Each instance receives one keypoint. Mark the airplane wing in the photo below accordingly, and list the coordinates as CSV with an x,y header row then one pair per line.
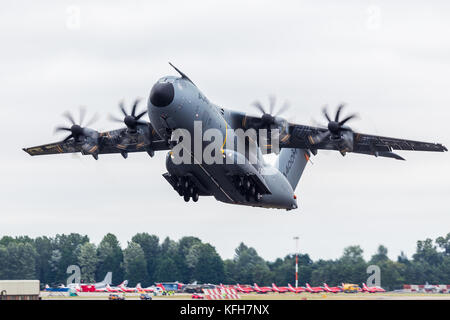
x,y
315,138
300,136
91,142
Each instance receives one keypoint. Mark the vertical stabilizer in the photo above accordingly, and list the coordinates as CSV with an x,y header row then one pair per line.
x,y
108,278
291,163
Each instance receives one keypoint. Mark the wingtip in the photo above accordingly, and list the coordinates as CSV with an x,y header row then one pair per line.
x,y
26,150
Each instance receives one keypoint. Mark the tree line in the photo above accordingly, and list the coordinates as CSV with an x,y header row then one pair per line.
x,y
147,260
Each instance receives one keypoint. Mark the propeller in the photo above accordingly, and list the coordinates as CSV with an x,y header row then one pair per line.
x,y
268,119
334,128
77,131
131,120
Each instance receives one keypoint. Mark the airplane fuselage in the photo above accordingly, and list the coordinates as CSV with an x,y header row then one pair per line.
x,y
176,103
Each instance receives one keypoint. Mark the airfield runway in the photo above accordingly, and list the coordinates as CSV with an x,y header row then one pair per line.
x,y
269,296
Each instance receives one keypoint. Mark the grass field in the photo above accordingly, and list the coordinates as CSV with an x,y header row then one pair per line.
x,y
270,296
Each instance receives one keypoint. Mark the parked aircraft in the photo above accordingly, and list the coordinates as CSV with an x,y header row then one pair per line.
x,y
297,289
246,289
148,289
124,288
313,289
331,289
60,288
259,289
279,289
98,285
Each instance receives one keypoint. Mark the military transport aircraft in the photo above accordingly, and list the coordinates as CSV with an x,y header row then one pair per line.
x,y
175,105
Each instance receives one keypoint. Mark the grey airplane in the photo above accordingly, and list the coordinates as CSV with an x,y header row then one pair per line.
x,y
243,177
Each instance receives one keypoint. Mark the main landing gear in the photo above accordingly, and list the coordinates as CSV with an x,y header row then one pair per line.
x,y
186,189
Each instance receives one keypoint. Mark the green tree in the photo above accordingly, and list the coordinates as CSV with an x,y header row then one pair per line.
x,y
351,266
44,248
68,247
380,256
4,263
250,267
444,244
150,245
166,270
87,260
185,268
134,263
206,264
426,252
110,259
22,261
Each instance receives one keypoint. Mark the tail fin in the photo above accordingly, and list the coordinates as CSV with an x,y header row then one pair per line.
x,y
291,163
161,286
108,278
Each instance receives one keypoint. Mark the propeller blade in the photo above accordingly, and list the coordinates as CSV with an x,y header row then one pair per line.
x,y
348,118
82,115
68,137
112,118
69,116
62,129
140,115
259,106
283,109
338,112
122,108
133,111
93,120
325,113
272,101
141,122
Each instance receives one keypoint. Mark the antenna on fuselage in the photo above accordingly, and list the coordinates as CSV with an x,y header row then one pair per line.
x,y
181,73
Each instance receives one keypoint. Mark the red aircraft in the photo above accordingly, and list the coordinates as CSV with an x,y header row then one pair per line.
x,y
124,288
242,289
279,289
140,289
313,289
109,289
296,290
331,289
259,289
365,288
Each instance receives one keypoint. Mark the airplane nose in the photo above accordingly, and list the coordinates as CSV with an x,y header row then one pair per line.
x,y
162,94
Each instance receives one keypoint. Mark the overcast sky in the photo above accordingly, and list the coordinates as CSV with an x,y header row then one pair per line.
x,y
390,62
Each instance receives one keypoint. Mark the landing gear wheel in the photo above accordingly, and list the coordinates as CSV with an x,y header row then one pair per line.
x,y
186,198
247,197
195,196
247,184
240,182
252,190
